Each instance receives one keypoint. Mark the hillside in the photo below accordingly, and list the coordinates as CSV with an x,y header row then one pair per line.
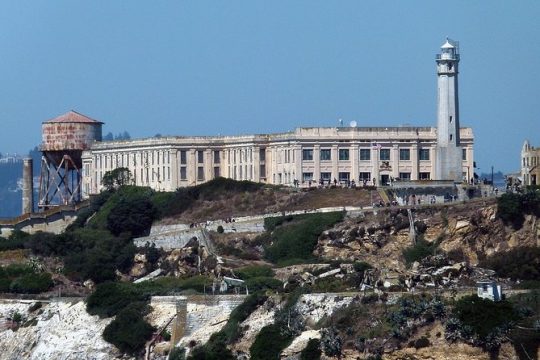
x,y
357,281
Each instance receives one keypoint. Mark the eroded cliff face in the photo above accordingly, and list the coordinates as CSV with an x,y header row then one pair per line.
x,y
469,230
56,330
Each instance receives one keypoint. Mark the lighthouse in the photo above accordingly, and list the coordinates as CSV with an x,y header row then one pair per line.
x,y
449,154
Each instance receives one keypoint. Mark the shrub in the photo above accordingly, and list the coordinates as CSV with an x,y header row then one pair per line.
x,y
32,283
133,214
231,330
298,239
253,271
263,283
109,298
5,284
312,351
484,316
177,354
269,343
419,251
331,342
129,331
518,263
14,270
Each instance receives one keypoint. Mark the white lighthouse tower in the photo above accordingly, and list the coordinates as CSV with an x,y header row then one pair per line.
x,y
448,162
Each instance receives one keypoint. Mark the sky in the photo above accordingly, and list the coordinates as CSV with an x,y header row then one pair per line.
x,y
241,67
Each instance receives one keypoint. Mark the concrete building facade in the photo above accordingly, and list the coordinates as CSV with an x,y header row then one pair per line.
x,y
530,164
375,156
365,155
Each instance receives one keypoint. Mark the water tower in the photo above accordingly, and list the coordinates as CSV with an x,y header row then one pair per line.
x,y
63,140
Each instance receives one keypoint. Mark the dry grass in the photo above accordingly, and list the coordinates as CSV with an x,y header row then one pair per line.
x,y
270,200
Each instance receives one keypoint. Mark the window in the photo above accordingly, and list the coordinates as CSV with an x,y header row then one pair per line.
x,y
262,171
423,154
365,154
463,154
200,156
326,154
217,159
424,176
404,154
343,154
326,176
307,154
384,154
183,157
262,154
344,177
365,176
450,119
200,173
405,176
307,176
216,172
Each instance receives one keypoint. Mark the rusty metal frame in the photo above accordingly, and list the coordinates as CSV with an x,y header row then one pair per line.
x,y
59,185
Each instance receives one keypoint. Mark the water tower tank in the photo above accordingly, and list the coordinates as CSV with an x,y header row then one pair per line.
x,y
64,138
71,134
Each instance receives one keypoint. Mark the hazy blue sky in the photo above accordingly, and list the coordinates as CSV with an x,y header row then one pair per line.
x,y
230,67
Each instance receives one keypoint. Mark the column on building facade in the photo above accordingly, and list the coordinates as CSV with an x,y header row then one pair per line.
x,y
175,170
433,157
375,166
297,163
191,166
414,161
355,160
335,160
208,162
394,157
316,162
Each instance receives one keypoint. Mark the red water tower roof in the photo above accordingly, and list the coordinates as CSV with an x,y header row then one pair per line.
x,y
73,117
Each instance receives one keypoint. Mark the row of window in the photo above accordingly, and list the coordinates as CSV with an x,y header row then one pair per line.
x,y
326,177
125,160
365,154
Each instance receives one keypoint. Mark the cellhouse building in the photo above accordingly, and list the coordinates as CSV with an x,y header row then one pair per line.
x,y
366,155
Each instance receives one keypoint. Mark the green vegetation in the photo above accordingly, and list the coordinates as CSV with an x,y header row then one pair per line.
x,y
116,178
481,321
420,250
511,207
177,354
294,238
129,331
23,279
216,347
312,351
111,297
521,263
253,271
269,343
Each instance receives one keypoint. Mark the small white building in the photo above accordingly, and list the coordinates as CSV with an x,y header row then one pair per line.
x,y
489,290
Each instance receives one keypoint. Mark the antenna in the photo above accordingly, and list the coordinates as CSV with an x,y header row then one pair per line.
x,y
353,123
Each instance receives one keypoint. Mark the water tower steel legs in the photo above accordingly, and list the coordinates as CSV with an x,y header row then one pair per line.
x,y
59,185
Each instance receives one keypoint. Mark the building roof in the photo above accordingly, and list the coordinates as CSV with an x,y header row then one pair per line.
x,y
73,117
447,45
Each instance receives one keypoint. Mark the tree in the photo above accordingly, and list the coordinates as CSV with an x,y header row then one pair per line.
x,y
117,177
134,214
108,137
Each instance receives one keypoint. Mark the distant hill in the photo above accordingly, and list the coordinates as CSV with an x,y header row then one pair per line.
x,y
10,176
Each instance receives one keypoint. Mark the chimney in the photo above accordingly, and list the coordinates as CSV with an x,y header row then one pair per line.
x,y
28,187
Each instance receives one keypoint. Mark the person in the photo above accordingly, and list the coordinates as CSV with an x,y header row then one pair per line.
x,y
335,182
